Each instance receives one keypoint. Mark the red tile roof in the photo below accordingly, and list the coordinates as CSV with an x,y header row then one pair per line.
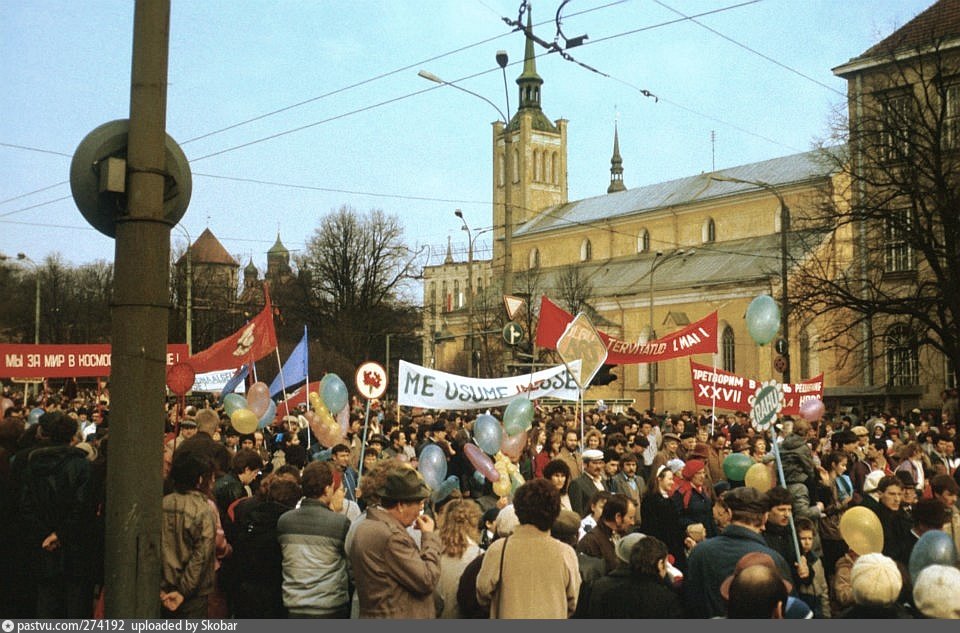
x,y
208,250
938,21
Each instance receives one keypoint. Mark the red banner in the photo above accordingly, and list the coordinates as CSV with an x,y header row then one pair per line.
x,y
66,361
717,388
696,338
250,343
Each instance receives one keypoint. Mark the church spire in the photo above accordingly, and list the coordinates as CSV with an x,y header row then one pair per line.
x,y
529,81
449,258
616,165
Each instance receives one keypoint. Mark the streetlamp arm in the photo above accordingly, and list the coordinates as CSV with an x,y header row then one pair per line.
x,y
431,77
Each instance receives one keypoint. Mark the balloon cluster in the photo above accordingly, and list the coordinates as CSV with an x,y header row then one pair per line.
x,y
327,406
496,445
251,412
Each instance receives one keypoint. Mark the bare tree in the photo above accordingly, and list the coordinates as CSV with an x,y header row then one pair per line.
x,y
884,280
354,270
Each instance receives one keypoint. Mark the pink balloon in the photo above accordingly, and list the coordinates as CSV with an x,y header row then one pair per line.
x,y
512,446
258,398
329,435
481,461
812,409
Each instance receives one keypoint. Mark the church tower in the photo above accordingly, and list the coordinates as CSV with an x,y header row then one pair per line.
x,y
539,162
616,166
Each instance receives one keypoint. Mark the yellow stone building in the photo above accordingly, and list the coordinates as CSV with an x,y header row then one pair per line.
x,y
644,262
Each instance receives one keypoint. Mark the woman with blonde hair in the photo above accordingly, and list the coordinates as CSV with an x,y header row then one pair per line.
x,y
460,535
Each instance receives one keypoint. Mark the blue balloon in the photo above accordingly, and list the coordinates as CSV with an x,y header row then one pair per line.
x,y
432,464
34,416
445,489
334,393
487,433
934,547
763,319
268,415
232,402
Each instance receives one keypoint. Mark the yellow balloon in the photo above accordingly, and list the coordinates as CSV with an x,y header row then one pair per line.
x,y
861,529
326,418
759,477
502,487
244,421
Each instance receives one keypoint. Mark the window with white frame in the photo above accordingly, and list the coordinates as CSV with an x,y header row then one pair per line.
x,y
586,250
898,253
951,117
533,260
902,357
709,231
643,241
897,119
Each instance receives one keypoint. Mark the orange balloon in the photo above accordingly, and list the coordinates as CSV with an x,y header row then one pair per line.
x,y
861,529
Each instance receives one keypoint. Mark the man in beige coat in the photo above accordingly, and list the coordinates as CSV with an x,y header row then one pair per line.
x,y
529,574
394,578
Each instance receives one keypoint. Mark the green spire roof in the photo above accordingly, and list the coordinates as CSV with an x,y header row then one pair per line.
x,y
278,248
529,83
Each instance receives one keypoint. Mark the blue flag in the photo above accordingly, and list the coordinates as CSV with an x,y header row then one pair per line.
x,y
294,371
231,385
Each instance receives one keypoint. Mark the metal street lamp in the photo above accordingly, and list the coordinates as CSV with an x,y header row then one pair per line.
x,y
36,310
784,295
471,240
502,60
659,259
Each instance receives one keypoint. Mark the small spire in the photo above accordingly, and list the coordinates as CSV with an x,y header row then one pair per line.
x,y
449,258
529,81
616,165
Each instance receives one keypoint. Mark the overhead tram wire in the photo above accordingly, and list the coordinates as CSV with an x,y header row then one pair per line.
x,y
382,75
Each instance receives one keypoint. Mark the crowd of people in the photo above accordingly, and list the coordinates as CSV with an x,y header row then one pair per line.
x,y
638,517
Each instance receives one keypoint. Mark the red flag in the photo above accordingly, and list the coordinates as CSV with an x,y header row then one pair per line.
x,y
250,343
697,338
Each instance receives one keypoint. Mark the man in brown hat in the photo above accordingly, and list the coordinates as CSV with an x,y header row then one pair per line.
x,y
716,558
394,578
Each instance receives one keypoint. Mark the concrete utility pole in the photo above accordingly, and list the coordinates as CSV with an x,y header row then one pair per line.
x,y
139,334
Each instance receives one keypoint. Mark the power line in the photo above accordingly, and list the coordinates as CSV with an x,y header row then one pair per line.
x,y
752,50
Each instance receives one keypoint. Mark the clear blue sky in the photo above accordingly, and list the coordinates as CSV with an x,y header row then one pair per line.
x,y
66,70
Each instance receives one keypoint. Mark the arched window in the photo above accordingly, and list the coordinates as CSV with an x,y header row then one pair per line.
x,y
534,258
586,250
516,165
903,367
728,350
537,165
446,298
709,231
555,172
643,241
548,167
457,296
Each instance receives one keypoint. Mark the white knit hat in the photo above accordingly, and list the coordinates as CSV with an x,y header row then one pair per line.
x,y
936,593
875,580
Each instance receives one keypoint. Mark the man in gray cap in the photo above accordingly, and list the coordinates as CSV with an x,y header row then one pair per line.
x,y
394,578
583,488
713,560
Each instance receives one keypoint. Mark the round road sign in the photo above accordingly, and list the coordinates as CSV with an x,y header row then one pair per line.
x,y
371,380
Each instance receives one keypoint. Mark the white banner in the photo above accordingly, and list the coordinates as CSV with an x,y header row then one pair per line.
x,y
215,381
423,387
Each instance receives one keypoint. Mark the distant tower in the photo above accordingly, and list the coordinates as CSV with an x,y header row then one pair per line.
x,y
250,275
278,261
449,258
539,178
616,165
